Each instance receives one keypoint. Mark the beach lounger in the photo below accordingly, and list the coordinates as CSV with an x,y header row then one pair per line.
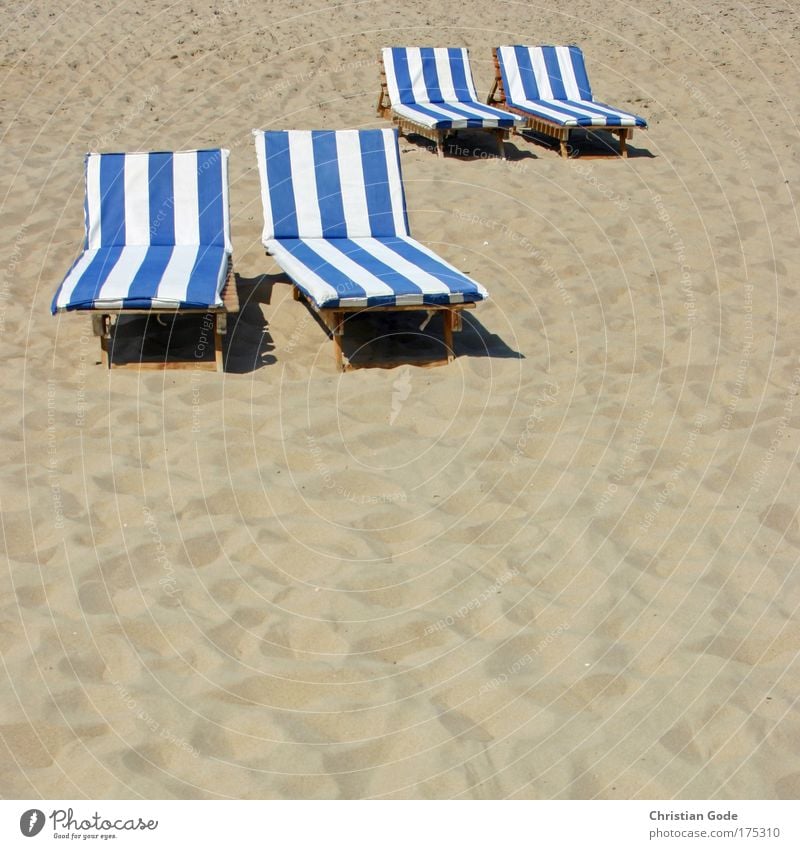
x,y
429,91
550,88
157,242
335,221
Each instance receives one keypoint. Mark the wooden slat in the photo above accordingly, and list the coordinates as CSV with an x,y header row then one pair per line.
x,y
402,307
230,292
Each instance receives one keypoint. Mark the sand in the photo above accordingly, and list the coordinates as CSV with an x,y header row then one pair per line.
x,y
560,567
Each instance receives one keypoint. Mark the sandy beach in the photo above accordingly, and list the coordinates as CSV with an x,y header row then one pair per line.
x,y
563,566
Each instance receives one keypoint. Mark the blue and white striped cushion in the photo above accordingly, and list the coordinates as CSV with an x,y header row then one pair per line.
x,y
145,277
457,116
335,221
387,271
552,83
433,86
157,232
330,183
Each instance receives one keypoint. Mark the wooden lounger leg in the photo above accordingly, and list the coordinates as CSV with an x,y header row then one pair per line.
x,y
623,143
440,144
562,143
220,328
337,331
500,145
449,321
101,327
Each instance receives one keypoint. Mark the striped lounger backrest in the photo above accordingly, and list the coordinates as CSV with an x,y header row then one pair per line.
x,y
157,199
428,75
544,73
330,184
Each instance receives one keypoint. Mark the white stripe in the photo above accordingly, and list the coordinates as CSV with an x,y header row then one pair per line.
x,y
628,119
137,199
71,280
261,156
487,114
434,255
445,74
573,107
93,201
568,73
598,120
547,110
515,92
428,284
372,285
351,177
309,280
186,206
441,114
226,210
417,77
540,73
468,74
395,183
119,278
304,184
391,76
174,282
110,304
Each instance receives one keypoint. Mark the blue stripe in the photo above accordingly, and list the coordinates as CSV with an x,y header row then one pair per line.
x,y
398,282
430,75
112,199
279,176
343,285
202,289
579,68
554,73
209,197
162,199
86,290
402,75
395,150
144,285
460,72
524,59
329,184
457,282
376,183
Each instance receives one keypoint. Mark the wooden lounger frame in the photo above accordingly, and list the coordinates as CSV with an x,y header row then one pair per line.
x,y
101,326
406,126
334,319
497,97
